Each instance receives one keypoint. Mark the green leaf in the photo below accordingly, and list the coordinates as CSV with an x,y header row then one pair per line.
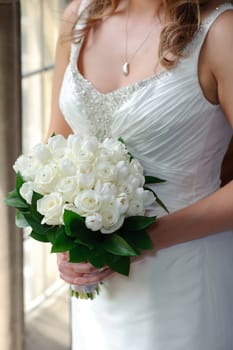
x,y
153,180
85,242
19,182
157,199
36,225
62,242
74,223
98,258
119,264
14,200
75,227
116,244
20,220
139,239
121,140
79,254
137,223
38,237
33,208
52,233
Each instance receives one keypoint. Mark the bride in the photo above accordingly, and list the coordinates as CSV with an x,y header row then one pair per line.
x,y
158,73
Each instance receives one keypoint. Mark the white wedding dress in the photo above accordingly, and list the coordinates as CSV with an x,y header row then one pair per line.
x,y
181,298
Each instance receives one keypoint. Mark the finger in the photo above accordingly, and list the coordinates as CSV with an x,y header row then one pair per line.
x,y
62,257
89,279
75,268
68,279
66,270
70,274
83,268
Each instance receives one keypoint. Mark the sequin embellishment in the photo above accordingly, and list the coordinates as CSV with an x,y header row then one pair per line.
x,y
100,107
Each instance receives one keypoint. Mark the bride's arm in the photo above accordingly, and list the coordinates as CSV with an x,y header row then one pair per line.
x,y
214,213
210,215
57,122
71,273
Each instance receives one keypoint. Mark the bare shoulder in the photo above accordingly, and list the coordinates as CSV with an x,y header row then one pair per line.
x,y
71,9
57,122
219,43
219,56
68,20
221,32
70,15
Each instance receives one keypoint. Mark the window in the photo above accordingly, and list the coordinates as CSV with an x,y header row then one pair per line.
x,y
40,20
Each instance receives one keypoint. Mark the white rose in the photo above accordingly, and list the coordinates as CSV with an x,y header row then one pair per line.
x,y
71,207
66,167
120,153
57,146
46,178
126,187
122,203
85,156
85,181
123,170
136,180
106,172
87,202
114,145
85,176
26,191
42,153
67,187
136,167
85,168
118,149
74,144
136,208
112,220
27,166
94,222
90,144
51,206
106,188
105,154
146,196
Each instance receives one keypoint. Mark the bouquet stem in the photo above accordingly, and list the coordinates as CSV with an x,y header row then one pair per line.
x,y
85,291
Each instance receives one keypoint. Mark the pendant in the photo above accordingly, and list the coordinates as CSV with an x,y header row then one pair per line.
x,y
125,69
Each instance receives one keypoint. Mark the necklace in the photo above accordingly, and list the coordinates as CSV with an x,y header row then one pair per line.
x,y
128,60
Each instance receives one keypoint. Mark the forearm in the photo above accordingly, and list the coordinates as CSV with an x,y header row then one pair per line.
x,y
208,216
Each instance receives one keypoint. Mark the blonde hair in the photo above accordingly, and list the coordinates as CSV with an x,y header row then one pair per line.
x,y
185,21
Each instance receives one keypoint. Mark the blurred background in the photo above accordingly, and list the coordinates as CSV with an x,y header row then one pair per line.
x,y
34,301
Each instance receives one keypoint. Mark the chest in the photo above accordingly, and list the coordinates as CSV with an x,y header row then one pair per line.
x,y
105,50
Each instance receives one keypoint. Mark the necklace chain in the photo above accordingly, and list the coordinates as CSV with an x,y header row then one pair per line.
x,y
128,60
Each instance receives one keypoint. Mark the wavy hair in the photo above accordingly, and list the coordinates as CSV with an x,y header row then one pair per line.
x,y
184,21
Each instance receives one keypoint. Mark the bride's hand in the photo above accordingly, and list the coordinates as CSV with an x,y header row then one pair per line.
x,y
80,273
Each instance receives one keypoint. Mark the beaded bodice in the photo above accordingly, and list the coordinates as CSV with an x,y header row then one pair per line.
x,y
100,107
165,120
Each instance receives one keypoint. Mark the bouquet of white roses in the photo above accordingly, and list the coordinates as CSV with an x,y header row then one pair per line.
x,y
85,197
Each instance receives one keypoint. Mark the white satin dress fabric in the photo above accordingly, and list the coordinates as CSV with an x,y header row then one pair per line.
x,y
182,297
